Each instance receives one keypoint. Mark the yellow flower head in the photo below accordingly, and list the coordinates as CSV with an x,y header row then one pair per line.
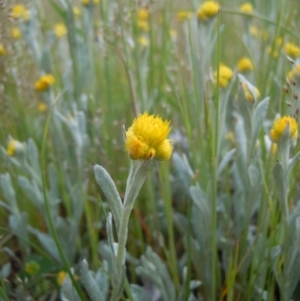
x,y
225,75
60,30
143,14
13,147
148,138
44,82
250,94
244,64
16,33
20,11
279,126
292,50
3,51
183,15
247,8
208,10
295,72
32,268
76,11
61,276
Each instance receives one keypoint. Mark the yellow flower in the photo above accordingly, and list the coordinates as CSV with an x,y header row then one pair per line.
x,y
143,41
250,94
13,147
42,107
294,72
60,30
147,138
244,64
292,50
61,276
225,75
3,51
76,11
208,10
183,15
246,8
143,14
279,126
20,11
16,33
44,82
32,267
143,25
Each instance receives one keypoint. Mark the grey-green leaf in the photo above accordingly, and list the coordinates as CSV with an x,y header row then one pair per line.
x,y
89,283
110,191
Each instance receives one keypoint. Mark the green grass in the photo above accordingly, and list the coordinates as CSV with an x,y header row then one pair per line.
x,y
216,212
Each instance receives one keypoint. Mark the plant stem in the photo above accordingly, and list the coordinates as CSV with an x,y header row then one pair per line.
x,y
214,162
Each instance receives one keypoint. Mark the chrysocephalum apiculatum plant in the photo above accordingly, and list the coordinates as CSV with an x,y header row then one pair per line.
x,y
146,139
285,255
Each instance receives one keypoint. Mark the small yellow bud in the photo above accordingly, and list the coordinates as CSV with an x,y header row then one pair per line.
x,y
44,82
16,33
208,10
247,8
32,268
292,50
279,126
61,276
244,64
183,15
225,76
60,30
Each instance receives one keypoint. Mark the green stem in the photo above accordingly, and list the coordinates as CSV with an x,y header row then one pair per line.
x,y
2,290
123,233
214,157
